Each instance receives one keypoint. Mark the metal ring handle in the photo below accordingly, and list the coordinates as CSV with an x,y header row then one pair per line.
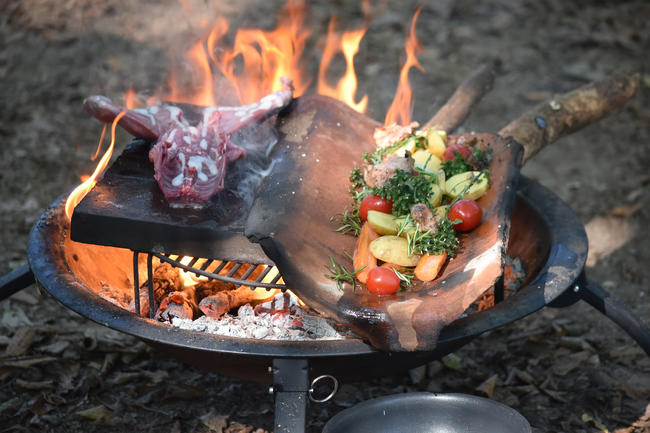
x,y
335,382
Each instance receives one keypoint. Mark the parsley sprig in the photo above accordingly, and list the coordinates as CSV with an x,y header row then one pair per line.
x,y
405,189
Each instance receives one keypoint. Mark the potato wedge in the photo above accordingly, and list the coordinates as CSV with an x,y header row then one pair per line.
x,y
393,249
436,195
382,223
426,161
409,146
442,181
436,141
456,184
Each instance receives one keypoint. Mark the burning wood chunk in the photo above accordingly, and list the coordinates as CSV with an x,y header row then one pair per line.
x,y
166,279
181,305
217,305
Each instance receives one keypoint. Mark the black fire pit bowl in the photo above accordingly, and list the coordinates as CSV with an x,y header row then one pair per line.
x,y
424,412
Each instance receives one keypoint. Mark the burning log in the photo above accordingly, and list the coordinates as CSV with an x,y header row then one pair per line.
x,y
217,305
181,305
166,279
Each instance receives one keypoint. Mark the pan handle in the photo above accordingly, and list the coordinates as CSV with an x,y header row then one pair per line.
x,y
15,281
567,113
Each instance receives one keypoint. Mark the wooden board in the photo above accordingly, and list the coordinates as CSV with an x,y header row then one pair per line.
x,y
321,141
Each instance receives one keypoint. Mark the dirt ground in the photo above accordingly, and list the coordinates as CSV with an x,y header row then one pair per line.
x,y
565,370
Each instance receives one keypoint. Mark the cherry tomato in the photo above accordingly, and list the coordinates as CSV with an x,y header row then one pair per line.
x,y
449,152
382,281
374,202
468,211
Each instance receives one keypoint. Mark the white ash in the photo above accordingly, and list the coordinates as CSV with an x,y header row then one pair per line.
x,y
299,325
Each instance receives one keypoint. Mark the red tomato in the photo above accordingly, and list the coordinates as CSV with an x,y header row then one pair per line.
x,y
374,202
382,281
449,152
468,211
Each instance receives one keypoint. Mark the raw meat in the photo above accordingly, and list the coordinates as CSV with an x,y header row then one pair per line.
x,y
190,160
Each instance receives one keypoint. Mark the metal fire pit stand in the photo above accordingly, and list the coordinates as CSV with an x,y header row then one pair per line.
x,y
560,282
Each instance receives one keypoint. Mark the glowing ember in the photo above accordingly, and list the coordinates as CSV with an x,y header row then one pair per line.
x,y
400,110
80,192
346,88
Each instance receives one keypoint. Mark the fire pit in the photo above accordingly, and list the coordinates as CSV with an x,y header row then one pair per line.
x,y
546,235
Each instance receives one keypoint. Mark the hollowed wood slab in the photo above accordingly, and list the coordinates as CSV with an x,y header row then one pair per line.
x,y
321,141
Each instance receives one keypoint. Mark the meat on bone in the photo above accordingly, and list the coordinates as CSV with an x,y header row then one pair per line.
x,y
190,160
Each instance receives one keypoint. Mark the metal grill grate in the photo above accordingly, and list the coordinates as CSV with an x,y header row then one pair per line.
x,y
212,269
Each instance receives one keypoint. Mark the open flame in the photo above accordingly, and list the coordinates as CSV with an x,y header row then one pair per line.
x,y
346,88
80,192
400,110
253,65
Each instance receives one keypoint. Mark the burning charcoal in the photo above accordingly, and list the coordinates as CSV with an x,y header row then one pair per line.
x,y
181,305
217,305
190,159
166,279
282,303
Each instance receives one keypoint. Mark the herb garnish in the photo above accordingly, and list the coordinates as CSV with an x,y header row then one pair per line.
x,y
340,274
405,189
350,221
444,240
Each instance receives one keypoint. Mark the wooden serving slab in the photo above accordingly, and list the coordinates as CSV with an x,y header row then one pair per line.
x,y
322,140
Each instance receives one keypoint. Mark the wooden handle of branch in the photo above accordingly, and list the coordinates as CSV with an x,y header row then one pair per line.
x,y
456,109
567,113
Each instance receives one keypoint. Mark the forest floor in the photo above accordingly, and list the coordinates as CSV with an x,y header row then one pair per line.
x,y
565,370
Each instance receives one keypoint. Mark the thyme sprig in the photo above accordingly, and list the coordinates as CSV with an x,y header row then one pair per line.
x,y
438,242
340,274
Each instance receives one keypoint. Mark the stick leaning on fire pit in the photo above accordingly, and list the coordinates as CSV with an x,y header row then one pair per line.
x,y
323,139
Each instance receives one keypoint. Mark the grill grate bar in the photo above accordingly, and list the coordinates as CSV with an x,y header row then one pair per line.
x,y
229,278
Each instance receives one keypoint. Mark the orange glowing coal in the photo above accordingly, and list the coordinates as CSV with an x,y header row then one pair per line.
x,y
400,110
80,192
346,88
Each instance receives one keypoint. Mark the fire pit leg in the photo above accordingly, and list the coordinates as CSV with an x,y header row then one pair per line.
x,y
290,387
15,281
592,293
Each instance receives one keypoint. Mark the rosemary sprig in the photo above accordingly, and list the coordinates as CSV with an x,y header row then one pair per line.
x,y
340,274
350,221
405,278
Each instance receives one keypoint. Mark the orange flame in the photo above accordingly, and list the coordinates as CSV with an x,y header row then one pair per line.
x,y
99,145
131,99
80,192
258,58
346,88
400,110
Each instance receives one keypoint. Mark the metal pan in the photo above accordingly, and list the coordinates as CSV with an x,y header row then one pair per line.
x,y
428,413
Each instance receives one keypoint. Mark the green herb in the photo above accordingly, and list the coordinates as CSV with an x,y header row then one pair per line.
x,y
457,165
444,240
378,155
481,157
405,189
404,278
350,221
356,178
340,274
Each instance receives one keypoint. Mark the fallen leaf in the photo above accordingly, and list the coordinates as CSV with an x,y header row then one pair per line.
x,y
452,361
214,422
487,387
21,341
588,418
98,414
605,235
626,210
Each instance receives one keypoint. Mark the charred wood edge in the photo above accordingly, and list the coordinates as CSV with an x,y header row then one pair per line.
x,y
569,112
15,281
470,91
